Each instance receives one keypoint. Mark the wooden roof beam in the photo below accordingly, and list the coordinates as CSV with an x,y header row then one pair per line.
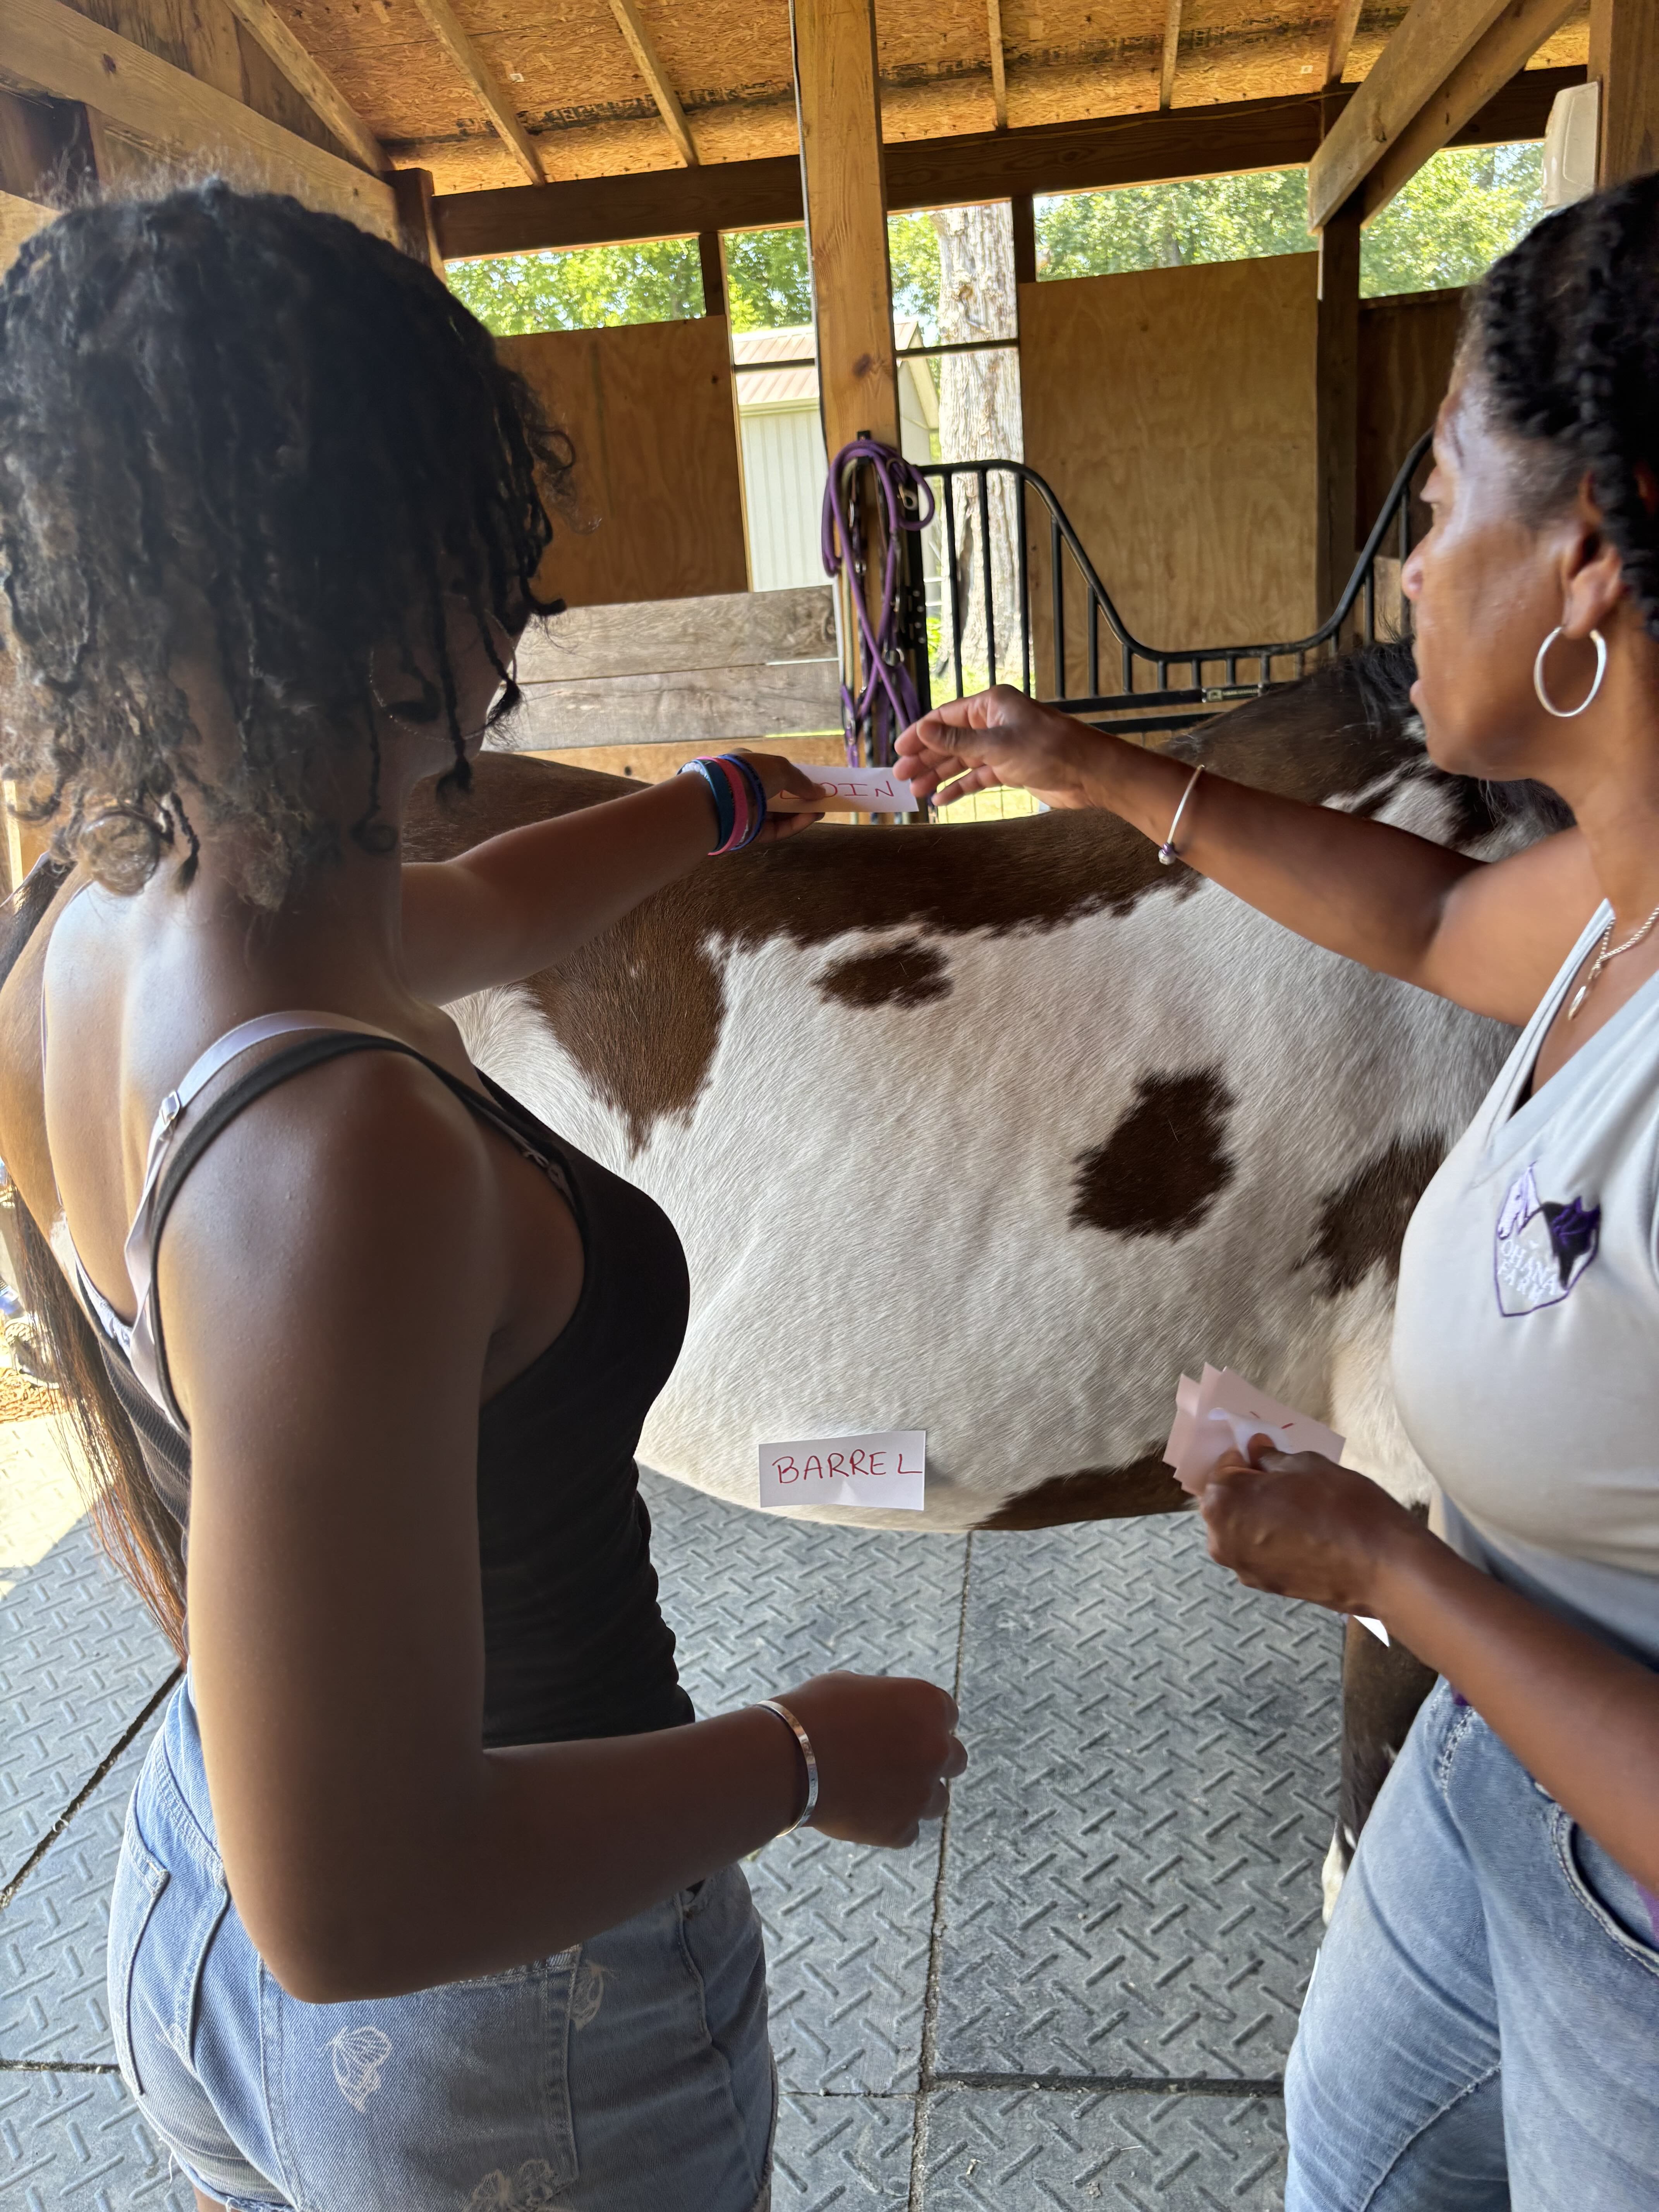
x,y
46,46
491,92
1519,31
1344,24
313,82
1166,75
632,27
924,172
1420,64
999,64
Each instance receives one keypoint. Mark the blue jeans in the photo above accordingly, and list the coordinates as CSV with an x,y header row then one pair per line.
x,y
631,2074
1482,2030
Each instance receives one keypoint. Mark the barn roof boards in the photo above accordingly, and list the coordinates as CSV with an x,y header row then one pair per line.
x,y
499,93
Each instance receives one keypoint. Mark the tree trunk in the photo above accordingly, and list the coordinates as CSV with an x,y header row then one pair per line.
x,y
979,419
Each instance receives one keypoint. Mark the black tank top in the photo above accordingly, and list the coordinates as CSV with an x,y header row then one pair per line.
x,y
575,1642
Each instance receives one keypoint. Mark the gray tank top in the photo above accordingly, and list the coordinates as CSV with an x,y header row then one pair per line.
x,y
1526,1340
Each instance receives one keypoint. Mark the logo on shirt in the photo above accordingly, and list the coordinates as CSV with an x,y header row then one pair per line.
x,y
1541,1248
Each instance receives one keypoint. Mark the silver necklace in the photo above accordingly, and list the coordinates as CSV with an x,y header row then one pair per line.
x,y
1606,953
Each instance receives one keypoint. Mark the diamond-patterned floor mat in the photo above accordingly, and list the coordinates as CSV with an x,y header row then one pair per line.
x,y
758,1605
843,2154
74,2142
80,1659
54,1931
1034,2150
1132,1887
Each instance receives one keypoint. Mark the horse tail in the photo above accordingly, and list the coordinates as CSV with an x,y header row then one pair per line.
x,y
141,1538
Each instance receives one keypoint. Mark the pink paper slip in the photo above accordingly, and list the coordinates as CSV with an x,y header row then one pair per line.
x,y
1222,1413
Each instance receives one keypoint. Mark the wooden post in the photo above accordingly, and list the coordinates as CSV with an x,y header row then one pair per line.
x,y
1025,220
1336,394
411,192
1623,58
838,102
714,273
1336,406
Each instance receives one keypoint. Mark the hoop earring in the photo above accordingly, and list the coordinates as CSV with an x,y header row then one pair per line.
x,y
1567,714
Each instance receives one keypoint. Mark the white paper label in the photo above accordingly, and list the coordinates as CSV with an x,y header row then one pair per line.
x,y
863,790
887,1467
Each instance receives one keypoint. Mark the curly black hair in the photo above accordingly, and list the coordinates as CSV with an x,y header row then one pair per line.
x,y
234,427
1564,333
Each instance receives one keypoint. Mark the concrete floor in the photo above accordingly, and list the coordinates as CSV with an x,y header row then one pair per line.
x,y
1080,1994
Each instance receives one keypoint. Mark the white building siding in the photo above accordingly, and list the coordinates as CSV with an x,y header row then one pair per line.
x,y
784,465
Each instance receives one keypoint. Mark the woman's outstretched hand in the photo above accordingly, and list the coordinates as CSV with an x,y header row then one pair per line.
x,y
998,736
1298,1524
886,1746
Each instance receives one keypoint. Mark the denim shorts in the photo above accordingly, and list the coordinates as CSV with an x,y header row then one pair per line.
x,y
1482,2030
631,2074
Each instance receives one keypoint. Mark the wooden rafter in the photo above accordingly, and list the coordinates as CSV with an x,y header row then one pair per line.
x,y
1519,31
1166,75
1435,36
313,82
999,64
46,46
1344,24
492,94
632,27
928,172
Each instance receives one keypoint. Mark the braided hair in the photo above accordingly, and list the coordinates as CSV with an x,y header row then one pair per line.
x,y
237,432
1564,335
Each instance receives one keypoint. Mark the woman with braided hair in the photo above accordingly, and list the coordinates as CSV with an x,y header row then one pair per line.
x,y
428,1899
1482,2030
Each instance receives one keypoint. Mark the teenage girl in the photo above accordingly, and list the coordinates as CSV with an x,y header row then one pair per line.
x,y
427,1900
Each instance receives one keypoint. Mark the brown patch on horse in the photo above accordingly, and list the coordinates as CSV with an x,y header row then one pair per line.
x,y
907,975
1363,1224
1095,1493
1164,1165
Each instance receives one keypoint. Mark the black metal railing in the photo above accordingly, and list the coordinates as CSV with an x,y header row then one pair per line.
x,y
1216,674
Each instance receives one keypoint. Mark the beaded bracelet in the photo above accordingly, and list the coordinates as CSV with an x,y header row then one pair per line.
x,y
739,798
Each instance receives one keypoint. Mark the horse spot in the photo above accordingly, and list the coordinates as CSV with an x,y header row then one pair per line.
x,y
907,975
1362,1225
1165,1163
1096,1493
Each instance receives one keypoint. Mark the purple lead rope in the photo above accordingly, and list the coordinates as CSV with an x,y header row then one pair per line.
x,y
888,700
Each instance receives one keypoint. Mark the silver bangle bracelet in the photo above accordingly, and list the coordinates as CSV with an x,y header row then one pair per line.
x,y
771,1706
1166,851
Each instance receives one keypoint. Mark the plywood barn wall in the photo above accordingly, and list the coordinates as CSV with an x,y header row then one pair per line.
x,y
1407,345
657,486
1172,412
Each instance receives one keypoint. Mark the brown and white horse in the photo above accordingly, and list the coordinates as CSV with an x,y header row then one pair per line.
x,y
992,1130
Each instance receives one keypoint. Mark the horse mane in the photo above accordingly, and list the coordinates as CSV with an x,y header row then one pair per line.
x,y
1352,718
141,1538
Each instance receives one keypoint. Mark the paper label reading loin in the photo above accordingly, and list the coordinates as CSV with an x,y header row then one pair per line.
x,y
862,790
887,1467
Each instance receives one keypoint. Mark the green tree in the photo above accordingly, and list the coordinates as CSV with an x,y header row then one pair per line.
x,y
1458,215
767,279
1166,226
912,255
659,280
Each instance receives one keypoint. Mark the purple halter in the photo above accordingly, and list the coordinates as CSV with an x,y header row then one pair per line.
x,y
888,703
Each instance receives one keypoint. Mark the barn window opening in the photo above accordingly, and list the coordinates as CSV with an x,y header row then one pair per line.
x,y
1465,207
590,288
